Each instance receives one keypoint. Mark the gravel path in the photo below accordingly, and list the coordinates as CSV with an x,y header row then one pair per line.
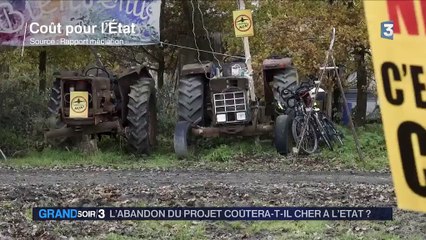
x,y
159,178
21,190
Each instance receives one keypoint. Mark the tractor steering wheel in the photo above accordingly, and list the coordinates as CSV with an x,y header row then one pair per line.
x,y
236,58
97,71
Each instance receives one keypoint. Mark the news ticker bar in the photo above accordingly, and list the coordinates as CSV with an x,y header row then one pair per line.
x,y
212,213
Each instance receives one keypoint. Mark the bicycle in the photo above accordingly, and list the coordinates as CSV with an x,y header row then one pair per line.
x,y
295,107
332,131
319,126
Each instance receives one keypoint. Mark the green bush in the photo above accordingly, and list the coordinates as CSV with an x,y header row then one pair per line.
x,y
22,110
166,107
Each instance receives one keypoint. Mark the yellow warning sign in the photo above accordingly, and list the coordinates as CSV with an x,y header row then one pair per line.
x,y
397,38
79,104
243,23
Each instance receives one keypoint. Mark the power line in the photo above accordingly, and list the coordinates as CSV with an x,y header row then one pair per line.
x,y
193,31
195,49
207,33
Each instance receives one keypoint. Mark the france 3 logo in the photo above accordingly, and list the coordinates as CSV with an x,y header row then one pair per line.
x,y
386,30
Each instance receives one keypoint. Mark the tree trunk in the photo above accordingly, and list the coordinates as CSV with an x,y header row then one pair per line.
x,y
337,105
328,102
42,58
160,55
190,56
361,100
4,72
160,72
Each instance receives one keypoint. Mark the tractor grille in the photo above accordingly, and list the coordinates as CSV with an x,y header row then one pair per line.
x,y
230,103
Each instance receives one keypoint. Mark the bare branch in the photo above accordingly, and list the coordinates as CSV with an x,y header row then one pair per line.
x,y
149,54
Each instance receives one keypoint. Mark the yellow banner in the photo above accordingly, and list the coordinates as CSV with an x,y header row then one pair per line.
x,y
243,23
79,105
398,42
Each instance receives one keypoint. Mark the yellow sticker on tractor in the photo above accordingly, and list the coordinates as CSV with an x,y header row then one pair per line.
x,y
243,23
79,105
397,31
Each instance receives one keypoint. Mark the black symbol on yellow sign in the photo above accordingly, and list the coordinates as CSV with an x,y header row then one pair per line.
x,y
78,104
243,23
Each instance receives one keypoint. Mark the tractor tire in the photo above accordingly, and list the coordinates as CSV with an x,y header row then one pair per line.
x,y
53,122
191,99
142,117
285,78
55,98
283,140
181,138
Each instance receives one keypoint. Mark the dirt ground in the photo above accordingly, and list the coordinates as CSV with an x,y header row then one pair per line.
x,y
20,190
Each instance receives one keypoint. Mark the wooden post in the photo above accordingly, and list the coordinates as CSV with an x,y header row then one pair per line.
x,y
248,59
345,103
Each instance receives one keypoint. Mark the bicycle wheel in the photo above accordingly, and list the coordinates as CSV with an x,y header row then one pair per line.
x,y
335,134
310,141
323,132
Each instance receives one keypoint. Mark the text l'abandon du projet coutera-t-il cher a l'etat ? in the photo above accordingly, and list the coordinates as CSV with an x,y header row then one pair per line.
x,y
107,27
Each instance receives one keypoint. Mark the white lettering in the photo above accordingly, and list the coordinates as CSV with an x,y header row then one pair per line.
x,y
105,2
44,29
81,5
47,7
307,213
68,30
78,29
7,13
42,42
247,214
112,27
31,27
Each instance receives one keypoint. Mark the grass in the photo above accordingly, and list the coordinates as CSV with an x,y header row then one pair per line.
x,y
212,153
217,154
346,230
178,230
373,149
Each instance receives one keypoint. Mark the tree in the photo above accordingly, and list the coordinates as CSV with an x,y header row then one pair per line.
x,y
301,30
42,70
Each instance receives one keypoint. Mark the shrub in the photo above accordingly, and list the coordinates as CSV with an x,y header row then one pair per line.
x,y
166,107
22,110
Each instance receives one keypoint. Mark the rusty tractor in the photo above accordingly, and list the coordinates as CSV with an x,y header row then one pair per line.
x,y
112,105
212,104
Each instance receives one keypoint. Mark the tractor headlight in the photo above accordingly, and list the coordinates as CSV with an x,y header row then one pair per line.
x,y
241,116
221,118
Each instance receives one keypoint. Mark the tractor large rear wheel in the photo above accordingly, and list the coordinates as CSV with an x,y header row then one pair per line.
x,y
284,79
55,98
142,117
53,122
191,99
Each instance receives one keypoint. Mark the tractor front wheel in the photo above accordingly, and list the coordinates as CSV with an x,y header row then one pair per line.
x,y
282,134
181,136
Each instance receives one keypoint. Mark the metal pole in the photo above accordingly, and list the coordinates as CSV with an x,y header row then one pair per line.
x,y
248,59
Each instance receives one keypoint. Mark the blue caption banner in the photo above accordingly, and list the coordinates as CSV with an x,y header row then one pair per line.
x,y
211,213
